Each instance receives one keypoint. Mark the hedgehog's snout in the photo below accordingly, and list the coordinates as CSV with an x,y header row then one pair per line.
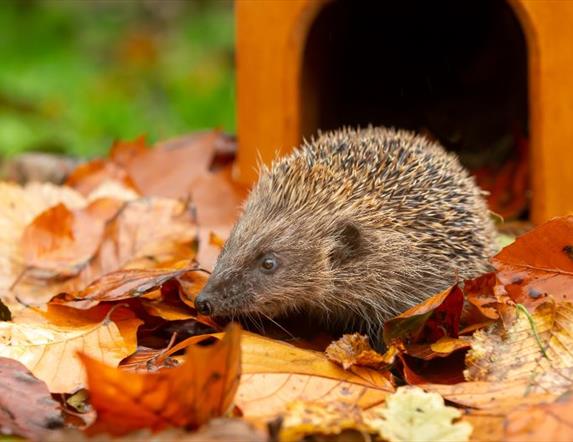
x,y
206,301
218,297
203,304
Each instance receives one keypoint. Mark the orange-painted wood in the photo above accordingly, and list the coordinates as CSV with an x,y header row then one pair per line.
x,y
270,43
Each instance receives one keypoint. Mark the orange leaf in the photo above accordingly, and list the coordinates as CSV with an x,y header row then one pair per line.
x,y
216,240
146,233
60,242
189,395
120,285
482,300
551,422
539,264
427,322
88,176
441,348
167,170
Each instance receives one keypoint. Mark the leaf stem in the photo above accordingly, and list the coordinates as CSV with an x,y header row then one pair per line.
x,y
521,308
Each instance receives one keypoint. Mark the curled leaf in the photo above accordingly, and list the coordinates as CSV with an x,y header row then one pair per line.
x,y
188,395
355,349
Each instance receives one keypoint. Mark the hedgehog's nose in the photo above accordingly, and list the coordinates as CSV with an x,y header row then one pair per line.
x,y
203,305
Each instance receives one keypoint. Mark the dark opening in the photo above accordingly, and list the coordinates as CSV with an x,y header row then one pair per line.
x,y
456,71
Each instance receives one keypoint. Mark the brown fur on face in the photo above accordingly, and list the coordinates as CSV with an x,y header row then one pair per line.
x,y
361,223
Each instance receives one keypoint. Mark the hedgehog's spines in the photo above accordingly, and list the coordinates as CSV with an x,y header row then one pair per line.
x,y
423,223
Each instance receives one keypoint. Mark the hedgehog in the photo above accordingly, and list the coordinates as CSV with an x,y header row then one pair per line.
x,y
351,229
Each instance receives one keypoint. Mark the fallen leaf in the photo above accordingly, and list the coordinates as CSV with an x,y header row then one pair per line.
x,y
60,242
276,373
427,322
447,345
301,419
147,233
492,397
26,407
447,369
216,240
355,349
148,360
18,207
549,421
188,395
539,264
120,285
411,414
167,170
89,176
191,285
479,293
443,347
216,430
487,427
540,354
48,350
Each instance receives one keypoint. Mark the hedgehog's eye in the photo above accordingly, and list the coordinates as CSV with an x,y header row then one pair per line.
x,y
269,264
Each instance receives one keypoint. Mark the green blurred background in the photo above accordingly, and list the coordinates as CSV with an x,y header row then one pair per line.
x,y
77,74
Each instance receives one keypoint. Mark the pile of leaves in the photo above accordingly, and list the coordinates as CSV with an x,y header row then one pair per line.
x,y
99,335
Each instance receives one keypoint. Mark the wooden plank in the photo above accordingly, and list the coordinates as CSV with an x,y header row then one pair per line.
x,y
270,46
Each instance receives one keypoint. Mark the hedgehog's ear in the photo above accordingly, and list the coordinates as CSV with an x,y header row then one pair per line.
x,y
348,242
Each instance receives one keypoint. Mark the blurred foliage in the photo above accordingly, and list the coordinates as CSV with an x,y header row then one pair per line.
x,y
74,75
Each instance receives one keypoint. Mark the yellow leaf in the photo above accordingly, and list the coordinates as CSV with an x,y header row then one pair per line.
x,y
276,373
540,355
411,415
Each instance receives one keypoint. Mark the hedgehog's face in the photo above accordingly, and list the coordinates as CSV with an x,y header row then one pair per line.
x,y
266,270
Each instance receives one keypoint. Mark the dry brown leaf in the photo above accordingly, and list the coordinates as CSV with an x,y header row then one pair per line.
x,y
539,264
168,170
59,242
18,207
49,349
147,233
355,349
216,430
487,427
545,362
89,176
494,397
301,419
120,285
428,321
543,422
483,301
276,373
189,395
148,359
443,347
26,407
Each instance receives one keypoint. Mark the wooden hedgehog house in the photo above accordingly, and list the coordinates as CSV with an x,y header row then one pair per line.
x,y
490,79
